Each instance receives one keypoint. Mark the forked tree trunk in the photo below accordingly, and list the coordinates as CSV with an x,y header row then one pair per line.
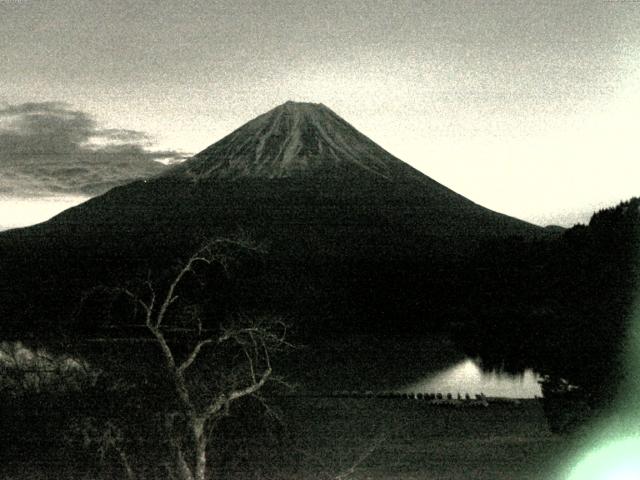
x,y
200,441
201,460
182,469
196,469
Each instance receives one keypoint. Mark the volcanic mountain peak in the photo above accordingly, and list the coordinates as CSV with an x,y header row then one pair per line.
x,y
290,140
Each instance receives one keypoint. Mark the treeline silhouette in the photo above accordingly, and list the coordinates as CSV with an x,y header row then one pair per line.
x,y
558,303
562,306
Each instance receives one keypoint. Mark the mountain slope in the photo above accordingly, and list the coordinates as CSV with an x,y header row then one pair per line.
x,y
354,234
297,141
292,139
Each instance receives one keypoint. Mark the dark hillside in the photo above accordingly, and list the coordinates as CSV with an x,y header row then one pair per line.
x,y
355,237
563,306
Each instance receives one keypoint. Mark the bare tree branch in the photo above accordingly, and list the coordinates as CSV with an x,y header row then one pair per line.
x,y
245,347
226,399
361,459
194,354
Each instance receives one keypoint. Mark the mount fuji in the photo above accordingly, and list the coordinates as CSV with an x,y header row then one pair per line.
x,y
354,234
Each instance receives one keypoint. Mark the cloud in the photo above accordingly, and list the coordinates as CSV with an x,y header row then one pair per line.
x,y
48,148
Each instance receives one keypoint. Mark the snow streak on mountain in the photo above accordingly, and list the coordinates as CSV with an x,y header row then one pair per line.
x,y
292,139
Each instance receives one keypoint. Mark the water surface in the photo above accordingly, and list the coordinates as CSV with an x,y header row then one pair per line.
x,y
467,377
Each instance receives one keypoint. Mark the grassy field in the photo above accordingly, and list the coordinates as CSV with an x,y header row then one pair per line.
x,y
412,439
369,438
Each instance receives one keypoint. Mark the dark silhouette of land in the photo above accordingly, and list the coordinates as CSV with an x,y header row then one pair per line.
x,y
379,271
356,238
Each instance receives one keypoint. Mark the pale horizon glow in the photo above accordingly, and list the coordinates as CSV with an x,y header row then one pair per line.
x,y
21,212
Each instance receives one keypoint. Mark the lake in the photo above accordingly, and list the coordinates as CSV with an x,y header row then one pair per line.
x,y
467,376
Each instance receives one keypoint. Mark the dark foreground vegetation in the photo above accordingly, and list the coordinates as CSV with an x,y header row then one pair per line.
x,y
315,438
562,306
180,383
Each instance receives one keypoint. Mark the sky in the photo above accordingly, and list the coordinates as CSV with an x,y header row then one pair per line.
x,y
528,108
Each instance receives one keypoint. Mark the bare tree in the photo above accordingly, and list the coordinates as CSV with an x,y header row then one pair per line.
x,y
208,366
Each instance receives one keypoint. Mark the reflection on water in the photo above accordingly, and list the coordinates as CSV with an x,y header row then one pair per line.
x,y
468,377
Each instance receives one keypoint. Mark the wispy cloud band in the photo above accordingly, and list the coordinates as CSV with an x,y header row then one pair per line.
x,y
49,148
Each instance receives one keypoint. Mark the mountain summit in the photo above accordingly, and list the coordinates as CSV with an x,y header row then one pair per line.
x,y
353,233
289,140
